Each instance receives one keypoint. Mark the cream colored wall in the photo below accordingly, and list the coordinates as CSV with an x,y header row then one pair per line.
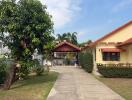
x,y
129,59
123,55
120,36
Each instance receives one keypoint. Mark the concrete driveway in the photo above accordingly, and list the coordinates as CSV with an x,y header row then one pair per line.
x,y
76,84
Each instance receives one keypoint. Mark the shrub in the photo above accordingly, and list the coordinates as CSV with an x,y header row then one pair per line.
x,y
86,61
23,72
81,59
2,76
25,68
39,70
3,70
115,72
67,61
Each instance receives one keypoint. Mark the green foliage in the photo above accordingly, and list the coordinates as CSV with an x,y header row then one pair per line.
x,y
25,68
3,69
67,61
24,27
71,37
86,61
115,72
83,44
23,72
30,88
39,70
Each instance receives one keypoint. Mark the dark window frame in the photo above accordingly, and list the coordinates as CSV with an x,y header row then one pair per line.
x,y
111,56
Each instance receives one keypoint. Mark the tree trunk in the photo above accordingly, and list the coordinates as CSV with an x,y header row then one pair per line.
x,y
42,61
10,77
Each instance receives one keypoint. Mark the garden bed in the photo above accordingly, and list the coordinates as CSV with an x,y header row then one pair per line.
x,y
115,71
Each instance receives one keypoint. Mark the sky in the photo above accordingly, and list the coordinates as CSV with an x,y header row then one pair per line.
x,y
91,19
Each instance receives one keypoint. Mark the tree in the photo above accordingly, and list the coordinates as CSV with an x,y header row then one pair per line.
x,y
85,43
74,38
71,37
24,27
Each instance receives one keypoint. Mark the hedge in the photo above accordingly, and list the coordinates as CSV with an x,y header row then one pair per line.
x,y
86,61
3,70
115,72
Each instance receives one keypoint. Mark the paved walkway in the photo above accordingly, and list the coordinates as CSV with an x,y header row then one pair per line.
x,y
76,84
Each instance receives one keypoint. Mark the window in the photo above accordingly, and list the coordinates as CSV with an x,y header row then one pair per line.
x,y
111,56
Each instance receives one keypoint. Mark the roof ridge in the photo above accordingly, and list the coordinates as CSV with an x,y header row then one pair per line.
x,y
111,33
68,44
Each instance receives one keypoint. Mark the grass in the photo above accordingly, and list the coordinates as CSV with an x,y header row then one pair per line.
x,y
123,86
33,88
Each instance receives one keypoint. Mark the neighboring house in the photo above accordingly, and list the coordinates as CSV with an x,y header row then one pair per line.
x,y
115,47
66,53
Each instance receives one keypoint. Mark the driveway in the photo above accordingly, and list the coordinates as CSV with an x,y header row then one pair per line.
x,y
76,84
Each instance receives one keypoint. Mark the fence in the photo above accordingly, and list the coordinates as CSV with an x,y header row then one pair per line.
x,y
116,65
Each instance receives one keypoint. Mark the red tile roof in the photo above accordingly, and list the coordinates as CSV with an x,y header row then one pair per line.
x,y
111,33
110,50
69,44
127,42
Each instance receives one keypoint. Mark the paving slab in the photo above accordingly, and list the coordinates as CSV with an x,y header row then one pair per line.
x,y
75,84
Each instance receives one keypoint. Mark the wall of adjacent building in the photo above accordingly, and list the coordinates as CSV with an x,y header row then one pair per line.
x,y
121,35
111,41
129,59
99,58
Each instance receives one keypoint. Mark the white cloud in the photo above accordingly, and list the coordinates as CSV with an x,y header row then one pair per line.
x,y
122,5
82,33
62,11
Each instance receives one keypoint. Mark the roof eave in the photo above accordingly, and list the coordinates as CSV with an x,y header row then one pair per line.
x,y
111,33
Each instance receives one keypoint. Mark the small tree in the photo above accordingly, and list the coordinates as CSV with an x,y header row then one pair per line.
x,y
24,27
86,61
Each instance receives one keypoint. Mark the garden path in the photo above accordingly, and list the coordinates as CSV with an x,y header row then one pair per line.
x,y
76,84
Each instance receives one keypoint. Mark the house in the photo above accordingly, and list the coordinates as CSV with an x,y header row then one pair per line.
x,y
65,53
115,47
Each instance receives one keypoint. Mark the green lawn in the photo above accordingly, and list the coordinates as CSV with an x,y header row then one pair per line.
x,y
122,86
34,88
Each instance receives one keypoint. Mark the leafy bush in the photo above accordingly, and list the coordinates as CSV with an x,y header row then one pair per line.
x,y
25,68
2,76
67,61
3,70
39,70
86,61
112,71
23,72
81,59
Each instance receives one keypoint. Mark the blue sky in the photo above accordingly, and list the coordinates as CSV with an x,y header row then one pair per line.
x,y
91,19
